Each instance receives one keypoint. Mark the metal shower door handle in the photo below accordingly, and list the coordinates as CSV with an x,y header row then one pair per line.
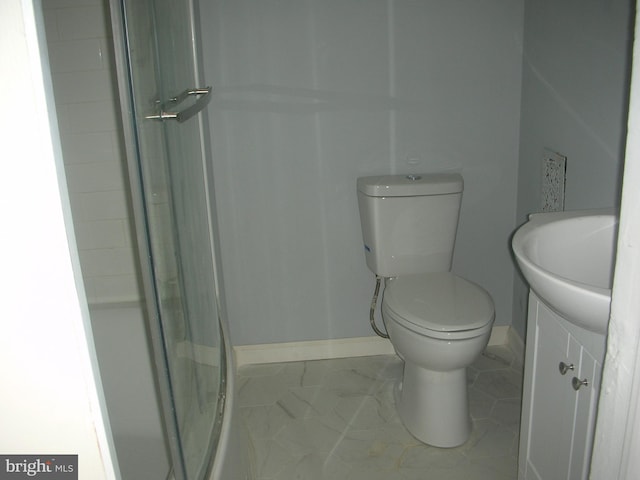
x,y
204,95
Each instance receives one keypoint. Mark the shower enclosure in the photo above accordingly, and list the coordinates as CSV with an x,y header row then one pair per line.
x,y
163,103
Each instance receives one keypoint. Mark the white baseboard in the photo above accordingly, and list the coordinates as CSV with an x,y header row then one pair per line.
x,y
199,353
326,349
499,335
312,350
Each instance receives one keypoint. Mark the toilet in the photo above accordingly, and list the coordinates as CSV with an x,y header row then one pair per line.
x,y
438,323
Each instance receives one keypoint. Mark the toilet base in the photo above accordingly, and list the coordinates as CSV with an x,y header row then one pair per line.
x,y
433,405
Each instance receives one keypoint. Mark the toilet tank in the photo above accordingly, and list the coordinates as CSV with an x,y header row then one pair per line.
x,y
409,222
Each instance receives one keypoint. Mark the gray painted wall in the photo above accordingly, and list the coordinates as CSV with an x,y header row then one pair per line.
x,y
574,98
311,95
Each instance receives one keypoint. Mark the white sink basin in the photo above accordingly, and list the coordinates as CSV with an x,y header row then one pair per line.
x,y
568,258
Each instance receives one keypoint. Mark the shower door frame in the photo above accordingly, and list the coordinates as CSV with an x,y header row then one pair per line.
x,y
145,255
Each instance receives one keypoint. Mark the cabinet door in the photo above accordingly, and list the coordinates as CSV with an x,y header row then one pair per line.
x,y
586,404
550,416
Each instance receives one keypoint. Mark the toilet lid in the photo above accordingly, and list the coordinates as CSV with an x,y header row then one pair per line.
x,y
442,302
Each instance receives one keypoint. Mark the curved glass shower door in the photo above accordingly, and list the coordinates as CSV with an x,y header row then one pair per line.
x,y
167,150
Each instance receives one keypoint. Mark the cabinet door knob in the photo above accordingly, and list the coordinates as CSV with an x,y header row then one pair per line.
x,y
564,368
577,383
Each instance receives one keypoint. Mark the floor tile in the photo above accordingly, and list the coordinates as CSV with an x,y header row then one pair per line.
x,y
336,419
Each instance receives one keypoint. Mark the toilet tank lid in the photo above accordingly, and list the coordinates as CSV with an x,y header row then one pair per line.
x,y
411,185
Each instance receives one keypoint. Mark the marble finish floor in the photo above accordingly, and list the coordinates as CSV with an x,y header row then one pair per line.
x,y
336,419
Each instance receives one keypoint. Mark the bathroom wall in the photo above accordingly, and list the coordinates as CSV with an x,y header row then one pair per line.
x,y
311,95
52,400
574,99
81,59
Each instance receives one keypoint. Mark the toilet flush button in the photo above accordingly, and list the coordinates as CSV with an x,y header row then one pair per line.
x,y
413,177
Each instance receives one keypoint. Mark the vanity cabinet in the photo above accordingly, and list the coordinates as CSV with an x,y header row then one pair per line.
x,y
560,395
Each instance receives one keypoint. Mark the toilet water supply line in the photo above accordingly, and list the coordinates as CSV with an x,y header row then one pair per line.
x,y
374,302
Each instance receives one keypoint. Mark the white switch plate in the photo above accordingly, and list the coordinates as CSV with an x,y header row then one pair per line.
x,y
554,172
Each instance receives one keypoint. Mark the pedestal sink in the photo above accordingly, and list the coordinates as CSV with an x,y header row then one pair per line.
x,y
568,258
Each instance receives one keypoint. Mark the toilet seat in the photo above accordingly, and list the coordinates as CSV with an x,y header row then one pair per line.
x,y
439,305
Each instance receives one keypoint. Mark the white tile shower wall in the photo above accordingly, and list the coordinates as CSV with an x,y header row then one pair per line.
x,y
81,59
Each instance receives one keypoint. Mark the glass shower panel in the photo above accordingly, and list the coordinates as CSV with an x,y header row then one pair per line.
x,y
172,166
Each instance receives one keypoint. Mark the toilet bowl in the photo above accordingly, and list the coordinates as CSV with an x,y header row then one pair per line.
x,y
437,322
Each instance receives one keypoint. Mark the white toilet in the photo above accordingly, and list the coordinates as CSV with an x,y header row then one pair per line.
x,y
437,322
